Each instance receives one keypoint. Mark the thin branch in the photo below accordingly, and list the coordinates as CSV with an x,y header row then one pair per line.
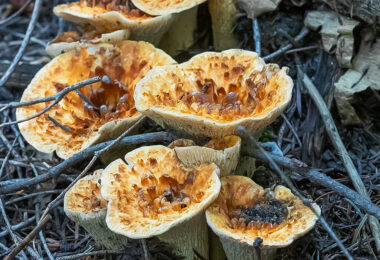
x,y
24,44
55,171
28,238
335,139
256,36
296,192
18,226
47,192
41,234
94,253
7,156
57,97
292,129
19,11
287,47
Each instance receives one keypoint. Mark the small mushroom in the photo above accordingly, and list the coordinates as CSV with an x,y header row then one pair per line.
x,y
71,40
213,93
224,152
154,194
84,205
106,16
106,110
246,217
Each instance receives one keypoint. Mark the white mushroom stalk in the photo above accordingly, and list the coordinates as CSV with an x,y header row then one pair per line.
x,y
84,205
155,195
224,152
246,217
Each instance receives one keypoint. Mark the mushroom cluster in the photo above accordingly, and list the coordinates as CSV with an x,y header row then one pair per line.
x,y
167,192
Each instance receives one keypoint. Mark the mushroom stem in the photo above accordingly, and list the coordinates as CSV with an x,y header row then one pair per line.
x,y
223,16
180,35
190,239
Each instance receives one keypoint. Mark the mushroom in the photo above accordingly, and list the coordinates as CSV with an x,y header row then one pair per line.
x,y
164,7
213,93
84,205
71,40
246,216
105,112
106,16
154,194
224,152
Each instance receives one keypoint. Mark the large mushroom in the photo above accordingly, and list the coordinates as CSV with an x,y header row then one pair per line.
x,y
213,93
245,216
74,124
84,205
106,16
155,195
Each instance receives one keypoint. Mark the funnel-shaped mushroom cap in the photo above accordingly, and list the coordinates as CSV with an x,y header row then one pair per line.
x,y
213,93
71,40
164,7
105,16
155,192
125,63
84,199
224,152
244,211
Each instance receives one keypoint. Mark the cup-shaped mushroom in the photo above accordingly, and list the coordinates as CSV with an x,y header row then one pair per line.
x,y
165,7
154,194
106,110
84,205
224,152
72,39
213,93
245,215
107,16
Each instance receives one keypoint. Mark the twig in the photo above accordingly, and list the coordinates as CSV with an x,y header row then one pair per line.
x,y
335,139
64,128
95,253
317,177
57,97
97,154
7,156
55,171
256,36
145,249
297,193
287,47
47,192
19,11
28,238
41,234
18,226
292,129
21,50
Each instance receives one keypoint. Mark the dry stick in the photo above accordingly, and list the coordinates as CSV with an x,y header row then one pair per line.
x,y
145,249
57,97
97,154
41,234
21,50
287,47
317,177
7,156
8,225
18,226
32,195
292,129
332,131
256,36
55,171
296,192
19,11
95,253
28,238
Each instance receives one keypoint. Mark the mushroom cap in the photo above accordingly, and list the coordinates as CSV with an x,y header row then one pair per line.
x,y
165,7
213,93
145,27
126,62
154,192
84,200
224,152
237,191
55,48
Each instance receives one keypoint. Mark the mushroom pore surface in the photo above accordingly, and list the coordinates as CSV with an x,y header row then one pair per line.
x,y
84,196
73,36
157,189
125,7
244,210
221,87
